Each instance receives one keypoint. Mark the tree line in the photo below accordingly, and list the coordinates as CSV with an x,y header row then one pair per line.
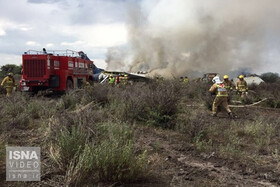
x,y
10,68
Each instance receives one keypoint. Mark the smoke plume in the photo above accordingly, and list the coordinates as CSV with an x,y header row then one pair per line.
x,y
177,37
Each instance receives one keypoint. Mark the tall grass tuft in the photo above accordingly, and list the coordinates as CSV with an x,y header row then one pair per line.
x,y
105,154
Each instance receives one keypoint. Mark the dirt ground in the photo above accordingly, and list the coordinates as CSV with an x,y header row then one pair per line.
x,y
173,162
176,163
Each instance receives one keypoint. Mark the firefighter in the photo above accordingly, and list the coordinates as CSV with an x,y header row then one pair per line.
x,y
86,85
181,79
241,86
228,83
229,86
44,51
221,97
117,81
83,55
186,80
125,79
111,80
9,83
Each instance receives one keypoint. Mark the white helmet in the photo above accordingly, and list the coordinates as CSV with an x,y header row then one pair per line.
x,y
216,80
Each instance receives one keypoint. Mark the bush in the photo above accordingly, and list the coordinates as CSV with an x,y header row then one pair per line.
x,y
70,143
98,93
261,132
33,109
270,77
70,101
91,153
155,103
233,140
273,103
192,122
3,140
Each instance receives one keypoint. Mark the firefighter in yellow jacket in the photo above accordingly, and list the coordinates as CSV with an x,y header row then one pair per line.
x,y
229,86
9,83
186,80
241,86
221,97
111,80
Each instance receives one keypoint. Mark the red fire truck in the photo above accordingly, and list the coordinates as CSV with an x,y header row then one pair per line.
x,y
55,70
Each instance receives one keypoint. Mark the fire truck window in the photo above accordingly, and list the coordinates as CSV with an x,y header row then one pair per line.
x,y
81,65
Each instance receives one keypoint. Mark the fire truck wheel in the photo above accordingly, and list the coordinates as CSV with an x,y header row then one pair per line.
x,y
69,85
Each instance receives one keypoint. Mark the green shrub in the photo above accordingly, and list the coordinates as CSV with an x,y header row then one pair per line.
x,y
3,141
270,77
155,103
261,132
69,101
273,103
33,108
115,161
98,93
69,144
192,122
103,155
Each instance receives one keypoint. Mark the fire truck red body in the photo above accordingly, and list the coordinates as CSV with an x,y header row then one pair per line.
x,y
55,70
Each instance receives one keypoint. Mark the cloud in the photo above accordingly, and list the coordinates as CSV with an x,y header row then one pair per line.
x,y
32,43
6,25
50,45
98,11
91,26
2,32
76,43
99,35
9,59
44,1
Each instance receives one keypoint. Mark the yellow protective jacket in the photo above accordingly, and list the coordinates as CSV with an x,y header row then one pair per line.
x,y
241,86
111,80
220,90
228,85
8,82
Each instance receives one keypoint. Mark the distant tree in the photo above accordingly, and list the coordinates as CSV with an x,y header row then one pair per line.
x,y
15,69
270,77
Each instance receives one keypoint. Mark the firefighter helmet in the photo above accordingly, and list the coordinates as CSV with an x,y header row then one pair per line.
x,y
226,77
216,80
241,76
10,74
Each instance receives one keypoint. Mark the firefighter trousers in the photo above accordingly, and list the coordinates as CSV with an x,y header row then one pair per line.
x,y
9,91
220,100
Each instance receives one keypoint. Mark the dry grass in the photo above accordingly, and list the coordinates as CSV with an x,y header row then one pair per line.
x,y
96,144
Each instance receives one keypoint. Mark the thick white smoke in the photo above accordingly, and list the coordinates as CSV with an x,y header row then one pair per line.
x,y
177,37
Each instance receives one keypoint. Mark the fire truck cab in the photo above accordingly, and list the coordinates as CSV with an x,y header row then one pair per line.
x,y
56,70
